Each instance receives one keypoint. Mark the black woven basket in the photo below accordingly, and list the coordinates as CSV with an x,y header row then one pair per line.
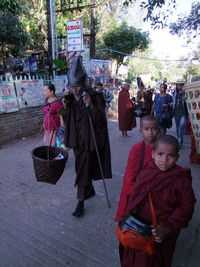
x,y
47,168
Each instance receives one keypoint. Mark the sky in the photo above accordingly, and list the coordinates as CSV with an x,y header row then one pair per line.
x,y
166,45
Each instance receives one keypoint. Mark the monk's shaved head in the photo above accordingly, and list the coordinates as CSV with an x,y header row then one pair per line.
x,y
149,118
169,140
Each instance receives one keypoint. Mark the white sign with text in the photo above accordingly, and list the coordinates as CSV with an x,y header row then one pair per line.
x,y
74,36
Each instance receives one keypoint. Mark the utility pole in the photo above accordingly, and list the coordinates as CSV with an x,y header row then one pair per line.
x,y
52,33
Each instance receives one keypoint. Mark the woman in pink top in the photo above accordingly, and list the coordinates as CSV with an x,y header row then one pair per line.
x,y
51,117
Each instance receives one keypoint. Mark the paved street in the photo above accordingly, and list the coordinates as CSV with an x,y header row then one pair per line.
x,y
36,225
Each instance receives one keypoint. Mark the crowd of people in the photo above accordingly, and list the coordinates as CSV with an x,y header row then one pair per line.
x,y
152,174
164,105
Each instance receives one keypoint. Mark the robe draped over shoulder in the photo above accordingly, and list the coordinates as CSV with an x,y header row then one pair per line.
x,y
130,175
174,201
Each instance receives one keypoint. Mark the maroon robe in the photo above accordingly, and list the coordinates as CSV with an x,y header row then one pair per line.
x,y
126,116
79,137
174,201
130,175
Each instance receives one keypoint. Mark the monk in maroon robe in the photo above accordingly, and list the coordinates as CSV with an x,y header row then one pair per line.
x,y
173,199
126,116
130,175
149,129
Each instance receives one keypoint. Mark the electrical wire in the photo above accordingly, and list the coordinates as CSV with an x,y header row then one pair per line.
x,y
147,58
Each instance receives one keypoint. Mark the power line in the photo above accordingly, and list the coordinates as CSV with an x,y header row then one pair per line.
x,y
147,58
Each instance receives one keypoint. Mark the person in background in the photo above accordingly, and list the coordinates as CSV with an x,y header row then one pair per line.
x,y
33,64
51,115
180,111
19,73
144,98
162,102
106,94
164,80
126,116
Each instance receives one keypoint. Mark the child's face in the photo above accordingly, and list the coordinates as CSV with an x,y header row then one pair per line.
x,y
149,130
165,156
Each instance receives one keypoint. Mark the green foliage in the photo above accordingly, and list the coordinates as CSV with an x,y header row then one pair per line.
x,y
61,66
125,39
10,6
189,24
34,19
155,13
42,72
138,67
13,37
193,67
173,71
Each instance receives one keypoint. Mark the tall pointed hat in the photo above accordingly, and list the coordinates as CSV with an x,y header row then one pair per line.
x,y
76,74
140,82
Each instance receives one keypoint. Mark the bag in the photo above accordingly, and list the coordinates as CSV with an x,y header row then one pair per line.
x,y
133,232
140,110
165,120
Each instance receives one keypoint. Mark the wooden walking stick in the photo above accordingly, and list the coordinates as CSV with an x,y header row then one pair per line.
x,y
97,151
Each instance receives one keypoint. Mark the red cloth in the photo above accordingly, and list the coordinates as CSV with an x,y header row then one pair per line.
x,y
51,117
130,175
174,201
126,116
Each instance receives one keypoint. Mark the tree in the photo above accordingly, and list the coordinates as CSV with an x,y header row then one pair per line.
x,y
155,13
139,66
13,37
124,39
10,6
34,19
158,16
193,67
189,24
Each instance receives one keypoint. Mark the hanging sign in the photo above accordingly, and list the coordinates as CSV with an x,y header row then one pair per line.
x,y
8,100
74,36
100,68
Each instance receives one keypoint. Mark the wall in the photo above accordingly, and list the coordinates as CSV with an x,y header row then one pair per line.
x,y
26,121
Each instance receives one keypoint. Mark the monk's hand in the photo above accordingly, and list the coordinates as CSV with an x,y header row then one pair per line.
x,y
67,92
87,101
159,233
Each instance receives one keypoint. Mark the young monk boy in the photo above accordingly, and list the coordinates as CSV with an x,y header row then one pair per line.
x,y
149,129
173,199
